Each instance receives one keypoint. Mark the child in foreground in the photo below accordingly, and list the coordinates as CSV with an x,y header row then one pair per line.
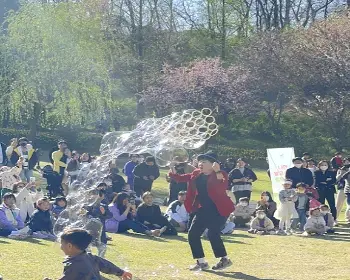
x,y
80,265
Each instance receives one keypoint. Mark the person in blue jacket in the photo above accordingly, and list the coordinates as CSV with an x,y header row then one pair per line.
x,y
129,168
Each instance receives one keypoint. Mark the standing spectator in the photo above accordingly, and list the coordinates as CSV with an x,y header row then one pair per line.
x,y
241,179
302,205
325,184
73,166
181,167
129,168
145,173
30,158
3,156
337,161
341,197
229,165
311,165
60,158
346,177
306,157
9,150
299,174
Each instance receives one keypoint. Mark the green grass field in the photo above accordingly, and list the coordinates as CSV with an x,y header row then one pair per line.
x,y
254,257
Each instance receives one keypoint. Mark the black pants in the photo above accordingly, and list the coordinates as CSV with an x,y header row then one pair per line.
x,y
329,195
240,194
214,223
5,232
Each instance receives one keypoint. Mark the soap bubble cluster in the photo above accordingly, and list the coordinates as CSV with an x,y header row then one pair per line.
x,y
167,139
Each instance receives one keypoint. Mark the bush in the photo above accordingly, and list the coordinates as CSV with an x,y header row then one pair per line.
x,y
81,141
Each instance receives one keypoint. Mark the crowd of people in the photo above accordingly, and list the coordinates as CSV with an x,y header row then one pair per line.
x,y
206,198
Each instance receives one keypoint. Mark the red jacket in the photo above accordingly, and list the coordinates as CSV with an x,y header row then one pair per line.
x,y
216,191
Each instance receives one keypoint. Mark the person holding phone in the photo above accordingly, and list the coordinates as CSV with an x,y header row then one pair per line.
x,y
30,157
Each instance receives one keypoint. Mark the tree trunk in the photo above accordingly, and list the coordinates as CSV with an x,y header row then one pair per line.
x,y
34,121
223,32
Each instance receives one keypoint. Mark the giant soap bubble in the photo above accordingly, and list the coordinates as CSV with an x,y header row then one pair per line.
x,y
167,139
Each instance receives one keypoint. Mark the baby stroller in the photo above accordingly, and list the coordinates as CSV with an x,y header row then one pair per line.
x,y
54,181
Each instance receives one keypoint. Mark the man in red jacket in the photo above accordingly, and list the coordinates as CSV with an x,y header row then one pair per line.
x,y
207,200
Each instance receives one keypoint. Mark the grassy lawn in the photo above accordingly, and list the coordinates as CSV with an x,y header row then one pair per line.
x,y
254,258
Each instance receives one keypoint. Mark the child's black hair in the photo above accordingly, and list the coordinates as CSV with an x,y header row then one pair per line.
x,y
301,185
150,159
244,199
324,206
8,196
79,238
60,198
269,195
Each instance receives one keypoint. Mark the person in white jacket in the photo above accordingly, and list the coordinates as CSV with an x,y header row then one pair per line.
x,y
178,216
25,198
10,176
315,223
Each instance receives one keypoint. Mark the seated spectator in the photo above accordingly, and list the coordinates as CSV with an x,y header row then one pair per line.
x,y
30,158
299,174
302,206
10,176
40,222
261,224
267,204
242,214
145,174
10,219
228,228
328,218
82,265
98,209
118,182
178,216
150,215
123,217
59,205
25,198
241,179
315,224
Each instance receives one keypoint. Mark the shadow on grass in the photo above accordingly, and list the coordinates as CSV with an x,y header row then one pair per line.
x,y
142,236
4,241
236,275
242,235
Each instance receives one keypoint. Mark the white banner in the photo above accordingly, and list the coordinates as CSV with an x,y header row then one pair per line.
x,y
280,160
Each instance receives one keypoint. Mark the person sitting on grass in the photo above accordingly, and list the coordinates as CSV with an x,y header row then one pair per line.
x,y
59,205
242,214
10,218
25,198
328,218
267,204
261,224
82,265
123,217
150,215
177,213
40,223
315,223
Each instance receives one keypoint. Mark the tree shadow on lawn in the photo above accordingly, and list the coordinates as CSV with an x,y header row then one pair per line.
x,y
236,275
4,241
